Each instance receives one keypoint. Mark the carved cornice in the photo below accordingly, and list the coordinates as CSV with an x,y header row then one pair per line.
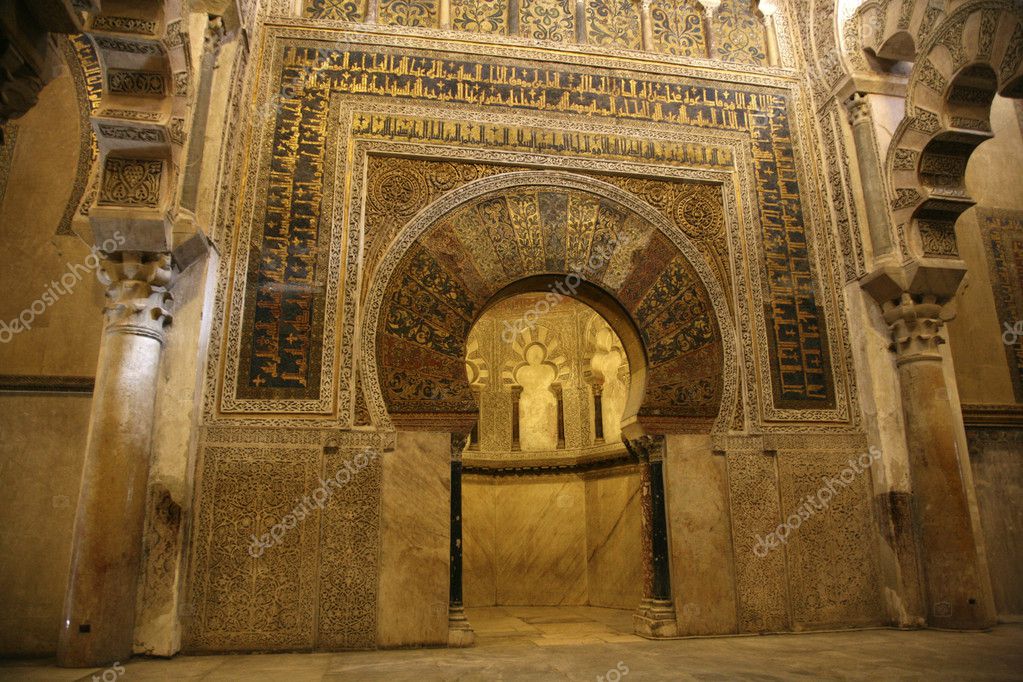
x,y
45,383
138,296
559,460
993,415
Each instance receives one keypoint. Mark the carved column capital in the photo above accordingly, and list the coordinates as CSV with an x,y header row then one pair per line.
x,y
916,327
858,108
710,7
647,448
138,296
459,441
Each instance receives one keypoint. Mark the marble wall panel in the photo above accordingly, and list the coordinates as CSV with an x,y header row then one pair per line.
x,y
415,541
703,569
541,540
614,558
479,540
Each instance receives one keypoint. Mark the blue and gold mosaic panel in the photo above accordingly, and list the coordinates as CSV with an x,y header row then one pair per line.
x,y
552,20
342,10
613,23
739,34
410,12
678,27
481,16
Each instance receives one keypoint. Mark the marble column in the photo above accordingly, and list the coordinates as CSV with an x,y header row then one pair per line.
x,y
460,633
869,165
646,25
768,9
99,606
513,17
655,617
580,21
559,395
953,577
516,396
709,8
444,14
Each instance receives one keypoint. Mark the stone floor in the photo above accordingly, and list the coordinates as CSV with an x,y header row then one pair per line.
x,y
582,643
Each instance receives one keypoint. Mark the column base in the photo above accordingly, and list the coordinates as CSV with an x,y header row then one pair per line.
x,y
655,619
460,634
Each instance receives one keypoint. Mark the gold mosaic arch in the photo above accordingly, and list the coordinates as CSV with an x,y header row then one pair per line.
x,y
429,289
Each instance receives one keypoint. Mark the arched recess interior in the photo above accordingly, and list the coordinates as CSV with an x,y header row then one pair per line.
x,y
643,274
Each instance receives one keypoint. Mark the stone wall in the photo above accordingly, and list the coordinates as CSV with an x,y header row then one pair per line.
x,y
998,477
46,372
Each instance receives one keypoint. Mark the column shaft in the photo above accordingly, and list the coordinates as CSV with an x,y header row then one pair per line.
x,y
771,37
99,605
460,633
456,535
655,617
646,26
661,582
952,572
869,165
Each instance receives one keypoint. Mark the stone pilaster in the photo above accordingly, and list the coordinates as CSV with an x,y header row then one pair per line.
x,y
99,607
460,633
869,165
655,617
916,301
